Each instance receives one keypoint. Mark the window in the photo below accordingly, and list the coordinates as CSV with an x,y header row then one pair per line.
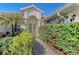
x,y
73,17
25,15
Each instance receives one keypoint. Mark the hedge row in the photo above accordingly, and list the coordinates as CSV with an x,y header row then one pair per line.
x,y
66,36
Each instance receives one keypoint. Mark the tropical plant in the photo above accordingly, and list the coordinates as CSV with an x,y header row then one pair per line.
x,y
22,44
13,20
4,45
19,45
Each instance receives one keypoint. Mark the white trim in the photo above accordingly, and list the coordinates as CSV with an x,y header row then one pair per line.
x,y
31,7
58,14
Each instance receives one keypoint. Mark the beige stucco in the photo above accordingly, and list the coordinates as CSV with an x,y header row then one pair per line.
x,y
76,12
27,13
31,11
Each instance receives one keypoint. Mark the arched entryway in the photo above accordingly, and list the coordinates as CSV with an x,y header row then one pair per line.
x,y
32,24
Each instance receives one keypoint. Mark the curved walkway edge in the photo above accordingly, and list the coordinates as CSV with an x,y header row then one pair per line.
x,y
40,48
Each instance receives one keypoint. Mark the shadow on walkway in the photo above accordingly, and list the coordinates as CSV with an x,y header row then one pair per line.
x,y
38,48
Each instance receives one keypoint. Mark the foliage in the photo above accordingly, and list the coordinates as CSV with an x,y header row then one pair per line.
x,y
4,45
12,20
18,45
65,35
43,33
1,21
22,44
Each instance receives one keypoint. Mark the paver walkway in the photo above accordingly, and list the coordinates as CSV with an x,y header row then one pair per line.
x,y
40,48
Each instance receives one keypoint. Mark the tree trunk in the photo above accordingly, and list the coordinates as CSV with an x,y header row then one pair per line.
x,y
15,26
12,30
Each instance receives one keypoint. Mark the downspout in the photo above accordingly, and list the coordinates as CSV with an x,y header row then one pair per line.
x,y
65,19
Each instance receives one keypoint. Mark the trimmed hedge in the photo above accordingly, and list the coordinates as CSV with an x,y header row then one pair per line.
x,y
66,36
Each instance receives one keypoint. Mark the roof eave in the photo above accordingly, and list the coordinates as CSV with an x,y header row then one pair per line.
x,y
62,8
30,7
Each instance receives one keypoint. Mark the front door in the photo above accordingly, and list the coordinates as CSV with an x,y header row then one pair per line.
x,y
32,28
32,22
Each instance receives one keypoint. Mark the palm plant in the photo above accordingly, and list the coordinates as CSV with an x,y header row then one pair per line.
x,y
13,20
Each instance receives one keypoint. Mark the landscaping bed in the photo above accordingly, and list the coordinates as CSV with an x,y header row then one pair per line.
x,y
64,37
17,45
55,49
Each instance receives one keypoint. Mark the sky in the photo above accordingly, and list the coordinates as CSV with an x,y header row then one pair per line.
x,y
47,8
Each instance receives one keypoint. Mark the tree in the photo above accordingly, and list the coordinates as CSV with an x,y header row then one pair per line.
x,y
13,20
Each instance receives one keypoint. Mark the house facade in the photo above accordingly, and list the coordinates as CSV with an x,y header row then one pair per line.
x,y
33,18
66,14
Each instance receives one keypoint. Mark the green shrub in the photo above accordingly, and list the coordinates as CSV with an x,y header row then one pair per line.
x,y
18,45
66,36
22,44
4,45
45,32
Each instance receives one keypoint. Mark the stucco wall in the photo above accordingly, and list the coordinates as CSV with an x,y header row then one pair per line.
x,y
77,15
4,28
32,11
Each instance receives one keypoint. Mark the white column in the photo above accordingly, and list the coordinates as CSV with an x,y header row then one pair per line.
x,y
32,28
38,25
